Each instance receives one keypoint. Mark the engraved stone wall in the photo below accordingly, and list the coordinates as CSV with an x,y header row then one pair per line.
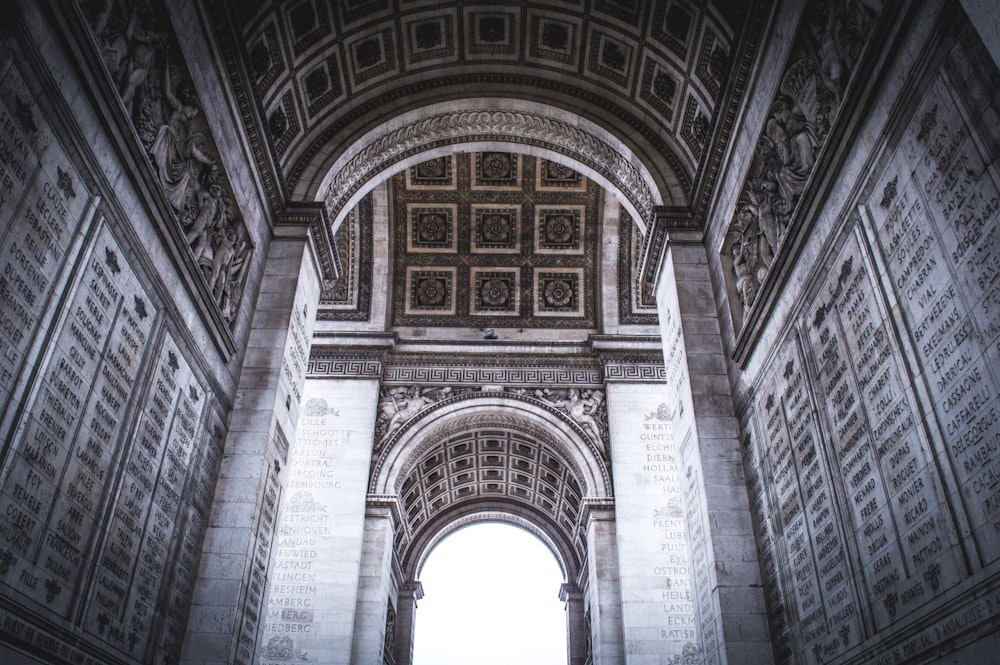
x,y
111,427
874,423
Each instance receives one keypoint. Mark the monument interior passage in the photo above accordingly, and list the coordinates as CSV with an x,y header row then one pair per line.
x,y
702,294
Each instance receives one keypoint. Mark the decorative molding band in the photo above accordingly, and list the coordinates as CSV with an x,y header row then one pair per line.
x,y
485,125
616,372
664,220
344,364
315,217
506,376
591,505
388,502
507,371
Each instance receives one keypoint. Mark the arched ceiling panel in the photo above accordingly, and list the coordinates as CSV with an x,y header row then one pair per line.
x,y
326,71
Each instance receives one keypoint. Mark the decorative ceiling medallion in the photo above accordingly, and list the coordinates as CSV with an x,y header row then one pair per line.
x,y
372,56
557,292
430,290
431,228
610,58
495,229
438,173
497,170
553,39
559,229
556,177
496,292
431,38
323,85
658,88
490,34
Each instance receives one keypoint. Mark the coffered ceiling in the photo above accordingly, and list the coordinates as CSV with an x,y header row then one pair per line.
x,y
323,72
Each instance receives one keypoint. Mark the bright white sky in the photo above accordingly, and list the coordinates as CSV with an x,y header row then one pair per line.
x,y
491,597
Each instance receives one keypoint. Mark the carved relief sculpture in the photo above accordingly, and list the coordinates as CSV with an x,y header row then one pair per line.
x,y
584,407
399,404
830,40
154,85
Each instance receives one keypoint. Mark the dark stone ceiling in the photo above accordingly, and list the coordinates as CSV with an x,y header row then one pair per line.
x,y
494,239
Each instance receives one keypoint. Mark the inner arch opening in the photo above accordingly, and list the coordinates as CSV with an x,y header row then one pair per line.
x,y
492,590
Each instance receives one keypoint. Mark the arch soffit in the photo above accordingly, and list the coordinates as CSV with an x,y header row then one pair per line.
x,y
475,124
472,411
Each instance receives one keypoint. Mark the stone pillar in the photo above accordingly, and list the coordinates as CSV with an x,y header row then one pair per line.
x,y
604,585
654,556
314,589
406,620
226,610
576,624
727,582
375,583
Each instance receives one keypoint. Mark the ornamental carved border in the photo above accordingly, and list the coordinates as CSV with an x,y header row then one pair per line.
x,y
443,398
505,126
509,371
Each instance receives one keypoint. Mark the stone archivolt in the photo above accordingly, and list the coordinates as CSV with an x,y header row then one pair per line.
x,y
515,127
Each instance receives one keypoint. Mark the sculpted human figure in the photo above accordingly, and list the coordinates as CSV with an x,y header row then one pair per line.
x,y
235,276
225,251
208,217
135,68
580,408
408,404
746,282
176,150
795,144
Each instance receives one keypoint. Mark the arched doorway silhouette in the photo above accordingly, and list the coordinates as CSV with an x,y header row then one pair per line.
x,y
491,589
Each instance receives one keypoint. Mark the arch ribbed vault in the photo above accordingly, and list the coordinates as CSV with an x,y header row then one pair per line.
x,y
491,458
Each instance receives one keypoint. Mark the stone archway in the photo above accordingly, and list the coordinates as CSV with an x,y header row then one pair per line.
x,y
490,457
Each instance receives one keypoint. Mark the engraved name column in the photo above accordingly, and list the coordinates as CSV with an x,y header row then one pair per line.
x,y
936,216
654,553
68,441
41,204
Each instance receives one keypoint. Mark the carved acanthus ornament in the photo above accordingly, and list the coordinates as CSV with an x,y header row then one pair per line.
x,y
830,40
155,87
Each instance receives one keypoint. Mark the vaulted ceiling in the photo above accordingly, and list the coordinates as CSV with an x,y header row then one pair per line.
x,y
323,72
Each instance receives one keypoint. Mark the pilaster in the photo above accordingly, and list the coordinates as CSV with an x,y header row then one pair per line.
x,y
604,585
375,584
227,610
728,599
